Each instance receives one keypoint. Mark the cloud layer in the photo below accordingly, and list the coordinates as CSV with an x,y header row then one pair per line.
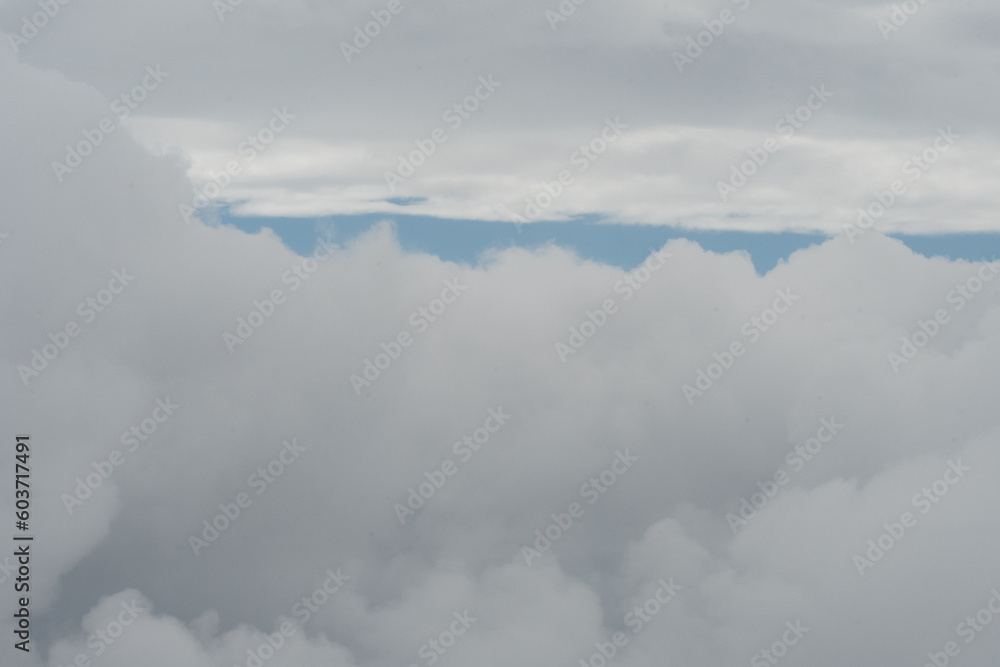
x,y
698,86
629,481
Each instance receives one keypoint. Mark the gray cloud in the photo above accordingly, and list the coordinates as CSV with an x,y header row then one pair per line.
x,y
495,346
687,127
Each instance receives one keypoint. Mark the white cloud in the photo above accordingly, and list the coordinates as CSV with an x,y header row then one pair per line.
x,y
607,59
494,346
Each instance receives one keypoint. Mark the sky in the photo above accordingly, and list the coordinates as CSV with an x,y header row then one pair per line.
x,y
626,247
632,369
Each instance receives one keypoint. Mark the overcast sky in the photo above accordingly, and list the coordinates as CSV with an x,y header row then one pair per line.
x,y
357,453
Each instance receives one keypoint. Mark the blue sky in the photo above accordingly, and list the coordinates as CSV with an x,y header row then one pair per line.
x,y
620,245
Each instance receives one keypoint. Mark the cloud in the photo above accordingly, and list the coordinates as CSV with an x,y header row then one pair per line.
x,y
332,506
688,127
